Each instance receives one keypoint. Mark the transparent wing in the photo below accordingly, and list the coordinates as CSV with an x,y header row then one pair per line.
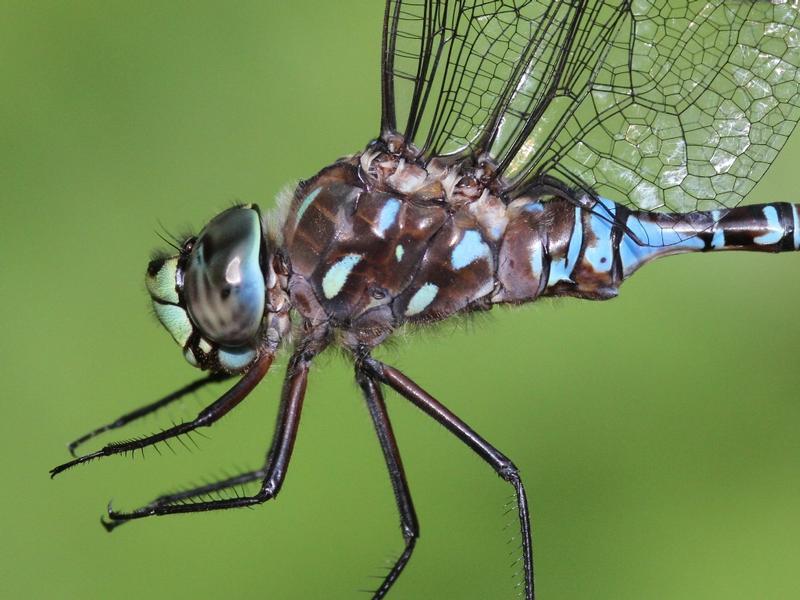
x,y
665,105
449,67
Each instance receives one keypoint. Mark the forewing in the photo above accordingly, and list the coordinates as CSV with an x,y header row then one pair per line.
x,y
665,105
449,67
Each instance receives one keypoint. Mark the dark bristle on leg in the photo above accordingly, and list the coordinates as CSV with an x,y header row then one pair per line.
x,y
496,459
207,417
277,462
149,408
402,495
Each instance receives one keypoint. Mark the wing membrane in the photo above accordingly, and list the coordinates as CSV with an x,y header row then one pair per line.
x,y
665,105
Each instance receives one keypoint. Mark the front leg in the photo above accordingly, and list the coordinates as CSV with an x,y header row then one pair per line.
x,y
147,409
207,417
280,452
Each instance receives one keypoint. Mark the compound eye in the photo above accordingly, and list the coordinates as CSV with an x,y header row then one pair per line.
x,y
223,284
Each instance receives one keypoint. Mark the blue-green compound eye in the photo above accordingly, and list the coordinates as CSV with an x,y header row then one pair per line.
x,y
223,284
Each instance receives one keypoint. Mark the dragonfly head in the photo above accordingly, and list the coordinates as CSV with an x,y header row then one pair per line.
x,y
220,297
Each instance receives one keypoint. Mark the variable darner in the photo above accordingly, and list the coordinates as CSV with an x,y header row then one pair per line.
x,y
492,191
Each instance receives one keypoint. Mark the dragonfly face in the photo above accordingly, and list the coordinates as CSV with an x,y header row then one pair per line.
x,y
212,297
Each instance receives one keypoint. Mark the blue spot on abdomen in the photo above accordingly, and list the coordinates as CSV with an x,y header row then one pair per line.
x,y
775,233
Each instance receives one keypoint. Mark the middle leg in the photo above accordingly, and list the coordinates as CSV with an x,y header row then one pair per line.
x,y
193,493
496,459
402,495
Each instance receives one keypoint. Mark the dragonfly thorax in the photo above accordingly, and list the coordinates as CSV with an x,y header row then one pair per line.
x,y
377,240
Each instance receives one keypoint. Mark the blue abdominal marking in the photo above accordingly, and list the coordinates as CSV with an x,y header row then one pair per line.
x,y
398,252
335,278
599,254
306,203
561,269
469,249
796,222
422,299
718,241
775,233
388,215
634,255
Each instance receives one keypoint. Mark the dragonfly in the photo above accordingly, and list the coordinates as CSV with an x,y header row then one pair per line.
x,y
526,149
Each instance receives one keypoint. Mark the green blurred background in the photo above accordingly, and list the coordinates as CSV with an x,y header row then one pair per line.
x,y
657,433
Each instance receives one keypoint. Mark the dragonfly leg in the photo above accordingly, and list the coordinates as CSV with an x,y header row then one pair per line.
x,y
195,492
280,452
207,417
148,408
408,519
496,459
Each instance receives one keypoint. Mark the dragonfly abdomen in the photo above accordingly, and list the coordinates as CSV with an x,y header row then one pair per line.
x,y
552,247
757,228
563,248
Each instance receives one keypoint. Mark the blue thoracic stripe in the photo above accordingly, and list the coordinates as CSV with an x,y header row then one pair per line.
x,y
306,203
388,215
469,249
775,233
796,222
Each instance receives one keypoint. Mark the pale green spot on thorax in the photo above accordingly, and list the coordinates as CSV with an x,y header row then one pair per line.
x,y
335,278
422,299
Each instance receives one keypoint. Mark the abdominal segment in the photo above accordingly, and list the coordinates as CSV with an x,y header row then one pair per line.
x,y
566,248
